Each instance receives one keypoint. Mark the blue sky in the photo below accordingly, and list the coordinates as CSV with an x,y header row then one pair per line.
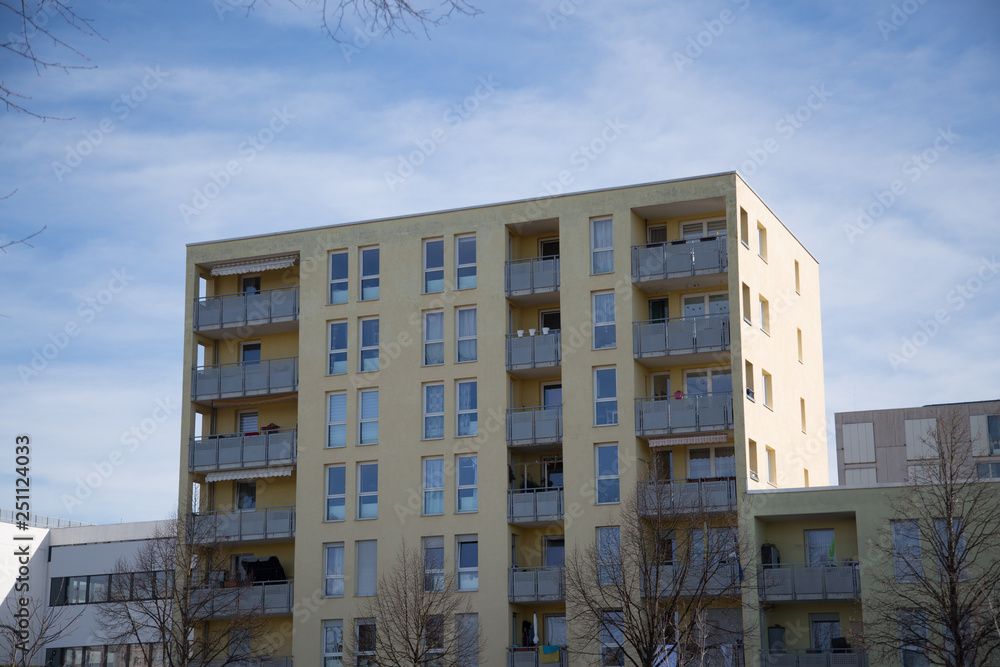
x,y
869,128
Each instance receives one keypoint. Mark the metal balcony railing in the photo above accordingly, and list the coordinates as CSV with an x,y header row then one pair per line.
x,y
532,505
696,579
811,658
531,276
268,523
663,415
246,309
799,581
680,335
534,426
234,451
536,584
528,656
658,498
267,598
273,376
675,259
539,350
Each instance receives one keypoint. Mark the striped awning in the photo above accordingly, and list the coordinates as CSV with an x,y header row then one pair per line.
x,y
249,473
254,265
689,440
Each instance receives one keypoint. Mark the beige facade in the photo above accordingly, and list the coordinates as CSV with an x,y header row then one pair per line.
x,y
675,322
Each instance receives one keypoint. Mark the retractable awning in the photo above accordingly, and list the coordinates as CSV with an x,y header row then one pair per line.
x,y
254,473
254,265
688,440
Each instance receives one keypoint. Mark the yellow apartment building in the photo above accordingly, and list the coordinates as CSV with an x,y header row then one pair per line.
x,y
488,384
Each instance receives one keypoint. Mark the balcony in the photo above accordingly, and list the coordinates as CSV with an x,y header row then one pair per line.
x,y
794,582
270,598
274,376
532,281
537,427
810,658
536,584
268,524
534,506
534,354
694,413
236,451
528,656
655,343
659,499
660,267
696,579
268,312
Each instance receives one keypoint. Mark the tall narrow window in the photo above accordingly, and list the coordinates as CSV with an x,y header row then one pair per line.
x,y
468,406
609,555
465,254
369,344
747,307
367,490
951,552
605,396
333,643
612,640
369,273
913,638
744,228
752,458
433,266
336,427
338,277
364,642
466,333
798,336
333,579
908,564
602,254
802,413
797,283
467,639
433,563
768,389
433,338
772,467
368,417
338,348
433,411
762,241
433,486
365,567
468,562
607,474
336,498
467,474
604,320
748,377
765,315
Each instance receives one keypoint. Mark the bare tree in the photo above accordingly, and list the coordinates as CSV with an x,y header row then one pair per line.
x,y
175,600
23,241
936,565
417,618
35,625
667,581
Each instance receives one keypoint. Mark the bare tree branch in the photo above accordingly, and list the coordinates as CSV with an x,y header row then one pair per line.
x,y
44,625
25,240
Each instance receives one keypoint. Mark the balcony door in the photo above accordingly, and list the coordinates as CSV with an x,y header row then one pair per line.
x,y
246,495
702,304
656,234
551,395
549,319
250,353
548,248
661,385
555,552
820,549
658,311
823,628
251,284
555,629
248,423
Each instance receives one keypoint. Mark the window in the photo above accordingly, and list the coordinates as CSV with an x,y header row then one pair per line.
x,y
433,266
465,253
772,467
951,545
338,277
604,320
434,338
77,591
369,273
748,376
433,486
98,587
246,495
753,459
607,474
609,555
696,305
365,567
913,638
797,283
465,328
765,315
605,396
433,563
746,304
338,348
798,336
467,639
333,586
993,430
468,420
369,345
762,241
692,231
468,563
336,498
247,422
765,380
336,420
467,473
906,553
333,644
613,640
433,411
744,227
802,413
364,642
368,417
602,254
820,547
710,381
367,490
711,462
434,636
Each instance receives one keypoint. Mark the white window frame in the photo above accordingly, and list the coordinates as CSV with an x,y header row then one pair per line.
x,y
907,559
369,278
459,265
463,412
431,493
747,306
603,325
599,477
365,396
345,280
744,227
365,349
435,542
335,577
366,495
772,465
430,271
433,415
331,655
364,658
710,375
713,470
466,571
601,251
761,241
705,231
437,342
460,487
331,422
767,387
466,337
341,352
363,563
606,399
331,496
765,314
